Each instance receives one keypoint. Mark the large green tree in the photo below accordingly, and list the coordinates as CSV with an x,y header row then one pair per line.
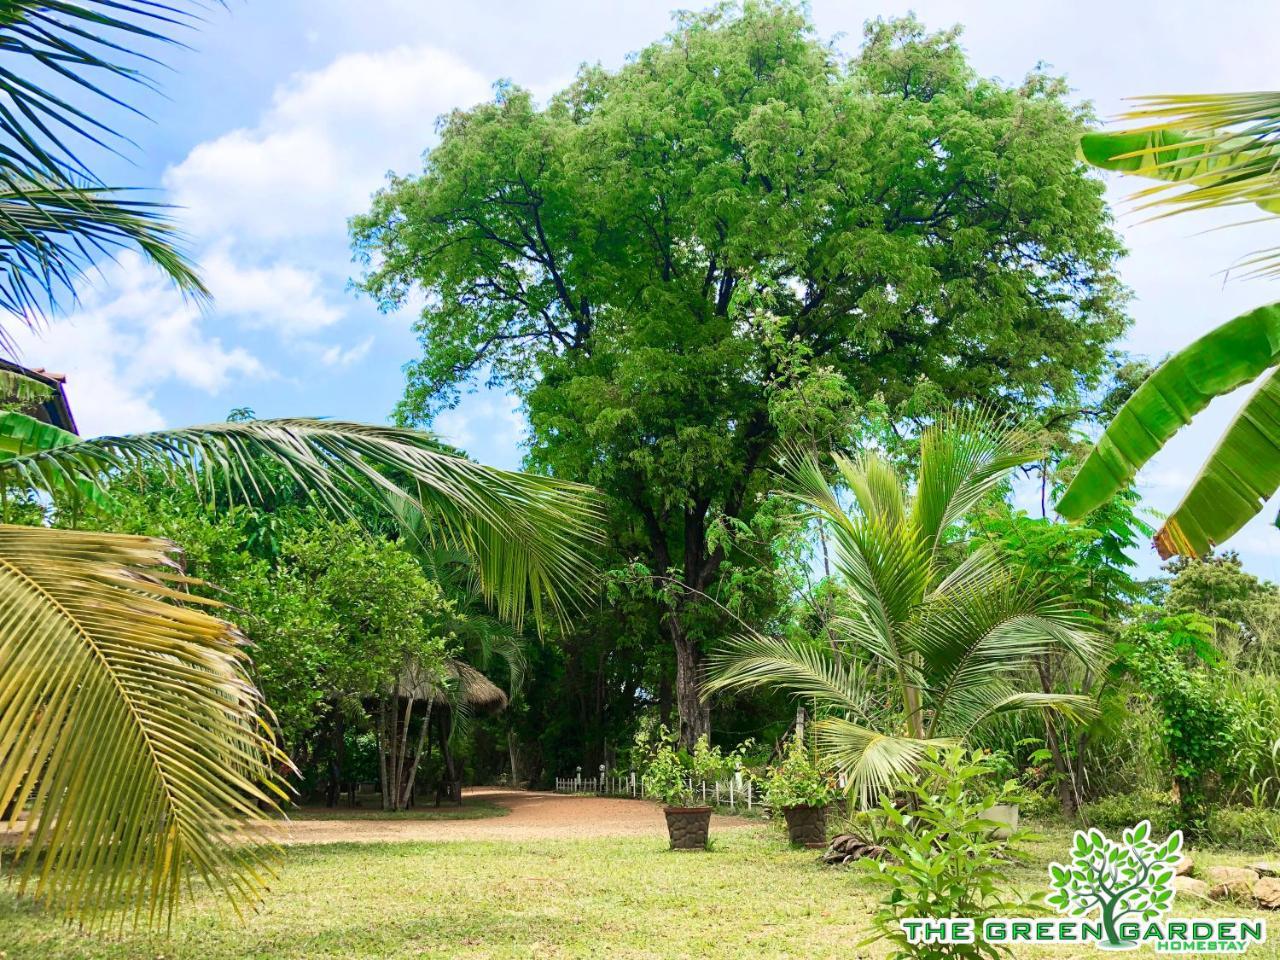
x,y
738,232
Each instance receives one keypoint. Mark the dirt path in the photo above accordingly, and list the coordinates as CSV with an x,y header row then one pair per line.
x,y
533,816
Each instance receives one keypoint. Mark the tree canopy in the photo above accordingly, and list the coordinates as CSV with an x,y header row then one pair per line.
x,y
736,228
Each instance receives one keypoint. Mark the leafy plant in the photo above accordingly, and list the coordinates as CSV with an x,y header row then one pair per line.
x,y
938,633
1121,811
1198,722
1210,150
1132,878
947,861
674,775
799,780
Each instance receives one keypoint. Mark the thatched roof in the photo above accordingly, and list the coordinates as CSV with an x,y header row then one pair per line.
x,y
477,690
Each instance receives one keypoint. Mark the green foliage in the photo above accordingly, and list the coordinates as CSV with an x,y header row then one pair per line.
x,y
799,779
733,238
1122,810
56,217
1132,878
1166,658
674,775
1244,828
936,631
949,861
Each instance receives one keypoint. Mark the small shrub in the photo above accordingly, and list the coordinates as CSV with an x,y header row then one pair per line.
x,y
798,780
949,861
1124,810
672,775
1040,805
1244,828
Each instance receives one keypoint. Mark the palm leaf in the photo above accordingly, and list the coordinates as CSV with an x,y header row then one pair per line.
x,y
872,761
530,537
50,44
51,234
1236,353
56,217
129,726
963,458
1210,150
1235,482
805,670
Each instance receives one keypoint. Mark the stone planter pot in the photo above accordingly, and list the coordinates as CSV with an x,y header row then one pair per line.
x,y
806,825
1005,814
688,827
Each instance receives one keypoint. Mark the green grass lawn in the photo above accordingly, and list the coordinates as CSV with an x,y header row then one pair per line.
x,y
750,896
472,808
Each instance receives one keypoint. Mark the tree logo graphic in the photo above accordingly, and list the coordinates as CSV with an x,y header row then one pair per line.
x,y
1129,880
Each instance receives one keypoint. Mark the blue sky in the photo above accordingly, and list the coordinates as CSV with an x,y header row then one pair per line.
x,y
287,114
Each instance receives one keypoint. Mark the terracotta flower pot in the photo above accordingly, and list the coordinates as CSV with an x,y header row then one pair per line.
x,y
688,827
806,825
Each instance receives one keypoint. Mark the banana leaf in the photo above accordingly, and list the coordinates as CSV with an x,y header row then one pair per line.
x,y
1234,354
1236,481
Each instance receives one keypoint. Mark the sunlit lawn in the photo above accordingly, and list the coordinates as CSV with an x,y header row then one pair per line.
x,y
750,896
471,808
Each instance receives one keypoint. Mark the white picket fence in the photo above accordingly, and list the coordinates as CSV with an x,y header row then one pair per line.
x,y
736,793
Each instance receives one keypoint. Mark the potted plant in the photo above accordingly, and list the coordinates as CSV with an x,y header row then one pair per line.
x,y
673,776
802,790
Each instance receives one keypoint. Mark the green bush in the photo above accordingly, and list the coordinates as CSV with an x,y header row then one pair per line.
x,y
798,780
1124,810
1040,804
949,860
1244,828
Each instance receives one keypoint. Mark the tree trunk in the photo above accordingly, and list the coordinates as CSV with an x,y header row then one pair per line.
x,y
1064,773
384,772
337,756
694,712
412,775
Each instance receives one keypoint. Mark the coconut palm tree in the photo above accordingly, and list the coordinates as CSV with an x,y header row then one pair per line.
x,y
132,744
1207,151
128,727
938,635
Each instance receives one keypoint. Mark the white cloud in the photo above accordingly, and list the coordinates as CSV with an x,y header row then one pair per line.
x,y
489,420
323,146
337,356
279,296
132,333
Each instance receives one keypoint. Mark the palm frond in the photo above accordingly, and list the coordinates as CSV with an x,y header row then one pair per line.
x,y
963,458
128,726
1209,150
50,44
51,234
805,670
56,217
987,703
872,761
531,538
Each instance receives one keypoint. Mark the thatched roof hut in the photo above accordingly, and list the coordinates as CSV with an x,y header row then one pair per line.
x,y
476,690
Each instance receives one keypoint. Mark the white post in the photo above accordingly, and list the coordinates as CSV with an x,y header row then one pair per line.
x,y
577,781
731,779
633,783
601,788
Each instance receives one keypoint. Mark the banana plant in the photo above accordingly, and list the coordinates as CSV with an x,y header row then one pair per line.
x,y
1207,151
